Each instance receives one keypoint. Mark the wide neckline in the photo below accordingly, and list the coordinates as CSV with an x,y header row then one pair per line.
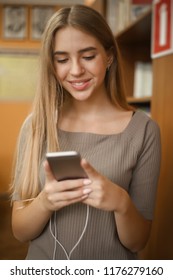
x,y
131,122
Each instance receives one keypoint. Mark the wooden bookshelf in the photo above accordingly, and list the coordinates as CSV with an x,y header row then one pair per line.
x,y
138,31
135,45
143,103
132,100
161,242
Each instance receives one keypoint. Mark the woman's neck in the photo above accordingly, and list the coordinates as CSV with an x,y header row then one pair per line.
x,y
87,109
101,117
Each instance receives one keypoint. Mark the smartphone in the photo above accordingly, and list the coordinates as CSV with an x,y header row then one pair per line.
x,y
66,165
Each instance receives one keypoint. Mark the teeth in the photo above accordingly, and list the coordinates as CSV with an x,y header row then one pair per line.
x,y
78,84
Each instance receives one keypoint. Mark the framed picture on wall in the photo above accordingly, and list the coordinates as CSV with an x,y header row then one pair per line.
x,y
14,22
39,18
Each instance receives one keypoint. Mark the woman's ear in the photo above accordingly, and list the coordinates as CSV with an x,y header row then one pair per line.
x,y
110,58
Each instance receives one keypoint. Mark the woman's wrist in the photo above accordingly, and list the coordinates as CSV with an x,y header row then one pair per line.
x,y
124,202
43,203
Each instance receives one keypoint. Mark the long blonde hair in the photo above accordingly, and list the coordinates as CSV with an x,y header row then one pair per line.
x,y
42,133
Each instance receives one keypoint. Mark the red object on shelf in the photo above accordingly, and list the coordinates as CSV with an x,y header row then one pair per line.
x,y
162,28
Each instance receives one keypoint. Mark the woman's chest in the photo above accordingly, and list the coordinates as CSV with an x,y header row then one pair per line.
x,y
110,156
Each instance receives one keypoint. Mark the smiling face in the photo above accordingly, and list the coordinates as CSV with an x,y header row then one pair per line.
x,y
80,63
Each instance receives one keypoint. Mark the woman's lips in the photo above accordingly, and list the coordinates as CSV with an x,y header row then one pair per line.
x,y
80,85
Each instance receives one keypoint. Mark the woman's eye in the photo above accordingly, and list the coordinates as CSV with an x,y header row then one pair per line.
x,y
89,57
64,60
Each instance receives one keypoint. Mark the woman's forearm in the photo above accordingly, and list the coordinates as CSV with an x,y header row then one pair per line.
x,y
133,229
29,221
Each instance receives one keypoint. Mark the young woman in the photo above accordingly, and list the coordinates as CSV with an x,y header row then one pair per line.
x,y
80,105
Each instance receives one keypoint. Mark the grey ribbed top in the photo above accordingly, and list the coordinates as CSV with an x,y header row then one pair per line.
x,y
131,159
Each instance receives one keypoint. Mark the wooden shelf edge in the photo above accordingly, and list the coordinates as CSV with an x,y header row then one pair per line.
x,y
139,100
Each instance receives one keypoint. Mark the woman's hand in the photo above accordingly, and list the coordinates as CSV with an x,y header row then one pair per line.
x,y
105,195
56,195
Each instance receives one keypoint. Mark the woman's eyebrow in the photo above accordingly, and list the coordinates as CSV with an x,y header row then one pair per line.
x,y
59,53
87,49
80,51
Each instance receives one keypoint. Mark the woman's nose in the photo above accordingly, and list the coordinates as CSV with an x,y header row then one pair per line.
x,y
76,68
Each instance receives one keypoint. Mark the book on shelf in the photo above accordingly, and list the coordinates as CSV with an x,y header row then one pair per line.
x,y
139,7
142,80
118,14
121,13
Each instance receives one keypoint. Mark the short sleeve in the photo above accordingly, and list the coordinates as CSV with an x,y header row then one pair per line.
x,y
145,177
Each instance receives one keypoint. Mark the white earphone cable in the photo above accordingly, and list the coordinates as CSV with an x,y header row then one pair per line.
x,y
54,235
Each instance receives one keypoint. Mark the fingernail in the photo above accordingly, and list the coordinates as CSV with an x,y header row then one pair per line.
x,y
86,182
86,191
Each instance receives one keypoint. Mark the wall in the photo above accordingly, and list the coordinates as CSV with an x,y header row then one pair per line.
x,y
18,75
12,115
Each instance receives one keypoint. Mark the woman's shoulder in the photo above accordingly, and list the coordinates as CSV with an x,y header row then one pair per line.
x,y
25,128
27,121
141,118
143,124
